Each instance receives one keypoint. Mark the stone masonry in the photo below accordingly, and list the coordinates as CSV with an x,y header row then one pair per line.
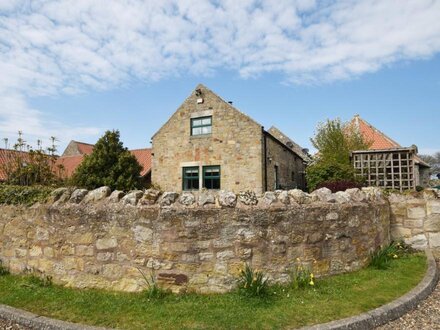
x,y
190,242
290,166
415,217
236,144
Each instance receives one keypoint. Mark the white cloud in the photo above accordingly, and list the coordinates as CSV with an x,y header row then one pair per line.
x,y
53,47
15,115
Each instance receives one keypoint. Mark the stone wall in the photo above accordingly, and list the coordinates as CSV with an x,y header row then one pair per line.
x,y
190,242
415,217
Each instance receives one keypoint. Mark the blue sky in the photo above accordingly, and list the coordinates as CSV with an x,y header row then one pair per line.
x,y
73,70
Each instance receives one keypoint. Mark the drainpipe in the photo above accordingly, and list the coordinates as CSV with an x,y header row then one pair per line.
x,y
265,157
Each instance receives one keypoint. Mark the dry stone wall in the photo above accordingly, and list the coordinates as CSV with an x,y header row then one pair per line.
x,y
415,218
101,239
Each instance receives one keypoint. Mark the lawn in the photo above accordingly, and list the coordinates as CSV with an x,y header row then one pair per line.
x,y
331,298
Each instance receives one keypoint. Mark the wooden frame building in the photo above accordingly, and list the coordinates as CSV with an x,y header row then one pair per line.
x,y
386,163
387,168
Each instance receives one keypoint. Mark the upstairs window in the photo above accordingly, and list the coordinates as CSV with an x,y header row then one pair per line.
x,y
211,177
190,178
201,126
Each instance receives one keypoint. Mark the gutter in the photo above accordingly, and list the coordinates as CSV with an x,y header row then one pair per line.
x,y
265,157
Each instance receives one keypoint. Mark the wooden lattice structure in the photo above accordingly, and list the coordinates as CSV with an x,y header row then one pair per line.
x,y
387,168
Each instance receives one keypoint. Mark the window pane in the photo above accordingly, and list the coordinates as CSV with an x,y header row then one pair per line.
x,y
211,177
197,122
207,184
197,131
190,178
194,183
206,121
206,130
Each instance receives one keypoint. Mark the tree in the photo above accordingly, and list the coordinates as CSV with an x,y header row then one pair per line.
x,y
26,166
110,164
434,161
334,141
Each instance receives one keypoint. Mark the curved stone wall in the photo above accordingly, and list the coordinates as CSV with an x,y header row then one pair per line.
x,y
199,243
415,218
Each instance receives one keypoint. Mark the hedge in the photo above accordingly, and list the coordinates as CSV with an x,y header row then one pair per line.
x,y
23,195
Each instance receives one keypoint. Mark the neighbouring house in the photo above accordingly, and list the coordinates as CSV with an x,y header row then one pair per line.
x,y
7,158
75,151
209,144
386,163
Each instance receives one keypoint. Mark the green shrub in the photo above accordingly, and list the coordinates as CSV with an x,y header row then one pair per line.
x,y
253,283
24,195
110,164
334,141
301,276
153,290
3,270
342,185
329,171
382,258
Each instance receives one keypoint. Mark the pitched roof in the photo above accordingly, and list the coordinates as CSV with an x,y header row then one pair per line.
x,y
85,148
75,148
288,143
206,90
377,138
372,135
275,134
6,156
70,163
143,157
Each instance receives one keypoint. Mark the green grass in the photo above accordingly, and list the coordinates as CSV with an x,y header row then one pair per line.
x,y
331,298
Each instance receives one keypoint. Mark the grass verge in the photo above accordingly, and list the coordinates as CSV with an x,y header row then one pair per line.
x,y
331,298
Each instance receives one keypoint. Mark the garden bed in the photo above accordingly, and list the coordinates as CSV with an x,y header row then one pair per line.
x,y
329,299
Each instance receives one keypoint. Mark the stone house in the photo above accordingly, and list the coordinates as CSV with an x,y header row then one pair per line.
x,y
209,144
386,163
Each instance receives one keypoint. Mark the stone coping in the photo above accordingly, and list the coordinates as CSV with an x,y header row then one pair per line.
x,y
368,320
392,310
220,199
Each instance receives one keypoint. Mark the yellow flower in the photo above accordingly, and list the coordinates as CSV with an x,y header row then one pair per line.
x,y
311,275
395,256
312,283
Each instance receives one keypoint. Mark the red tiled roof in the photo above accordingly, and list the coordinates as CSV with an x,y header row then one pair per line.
x,y
372,135
85,148
70,163
6,156
378,139
143,157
